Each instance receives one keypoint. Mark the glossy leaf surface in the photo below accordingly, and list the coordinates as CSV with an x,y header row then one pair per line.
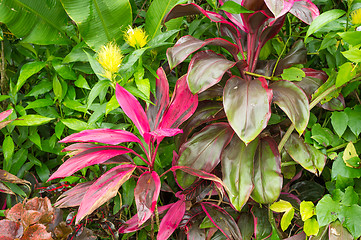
x,y
247,106
306,155
146,195
200,77
262,227
203,151
237,170
305,10
74,196
267,172
171,220
293,101
103,189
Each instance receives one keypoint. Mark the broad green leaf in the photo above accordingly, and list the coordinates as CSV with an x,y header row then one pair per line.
x,y
64,70
35,138
247,106
287,218
350,197
18,160
353,38
327,210
237,170
338,232
311,227
234,8
39,103
95,65
293,101
350,156
59,129
339,121
75,124
267,172
4,97
352,219
339,168
131,59
345,73
31,120
34,160
38,22
263,227
281,206
323,19
161,39
8,151
307,210
98,21
111,105
41,88
98,88
293,74
57,88
354,119
308,156
43,172
155,14
81,83
27,70
354,55
75,105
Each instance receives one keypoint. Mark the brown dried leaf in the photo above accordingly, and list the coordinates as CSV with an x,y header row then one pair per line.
x,y
36,232
8,177
10,229
15,213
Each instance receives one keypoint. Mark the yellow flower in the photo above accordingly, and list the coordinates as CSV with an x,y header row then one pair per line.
x,y
356,17
136,37
110,57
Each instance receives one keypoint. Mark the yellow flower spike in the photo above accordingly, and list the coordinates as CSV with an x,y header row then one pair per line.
x,y
110,57
356,17
136,37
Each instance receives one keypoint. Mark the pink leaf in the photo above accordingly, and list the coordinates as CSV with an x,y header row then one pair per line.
x,y
5,114
159,134
87,158
181,107
74,196
171,220
146,195
103,189
305,10
132,109
161,101
79,147
107,136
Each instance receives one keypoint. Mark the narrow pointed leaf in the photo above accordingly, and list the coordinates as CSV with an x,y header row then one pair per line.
x,y
267,172
132,109
161,100
103,189
5,114
199,77
187,45
237,170
74,196
293,101
306,155
107,136
146,195
161,133
222,220
87,158
203,151
279,7
247,106
305,10
171,220
181,107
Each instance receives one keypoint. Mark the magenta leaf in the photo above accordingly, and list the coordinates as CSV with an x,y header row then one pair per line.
x,y
171,220
79,147
181,107
103,189
267,172
146,195
132,109
5,114
87,158
107,136
74,196
159,134
187,45
203,151
237,170
198,190
199,77
160,100
293,101
305,10
247,106
222,220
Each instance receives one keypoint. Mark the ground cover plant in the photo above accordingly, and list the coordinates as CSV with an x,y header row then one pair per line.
x,y
229,119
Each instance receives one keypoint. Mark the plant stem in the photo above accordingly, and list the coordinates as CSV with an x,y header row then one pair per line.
x,y
285,137
259,75
285,164
271,219
337,147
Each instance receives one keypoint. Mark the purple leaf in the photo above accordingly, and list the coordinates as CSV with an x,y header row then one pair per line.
x,y
198,190
199,77
222,220
107,136
181,107
203,151
87,158
132,109
171,220
155,112
247,106
308,156
74,196
237,170
267,172
103,189
187,45
146,195
297,55
5,114
293,101
305,10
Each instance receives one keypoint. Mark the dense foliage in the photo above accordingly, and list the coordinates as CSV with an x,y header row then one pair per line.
x,y
229,119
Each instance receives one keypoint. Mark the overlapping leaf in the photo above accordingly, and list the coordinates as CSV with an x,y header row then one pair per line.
x,y
74,196
171,220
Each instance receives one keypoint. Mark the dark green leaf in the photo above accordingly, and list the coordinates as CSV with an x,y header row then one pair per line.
x,y
339,121
354,119
39,103
43,172
81,83
8,151
263,227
